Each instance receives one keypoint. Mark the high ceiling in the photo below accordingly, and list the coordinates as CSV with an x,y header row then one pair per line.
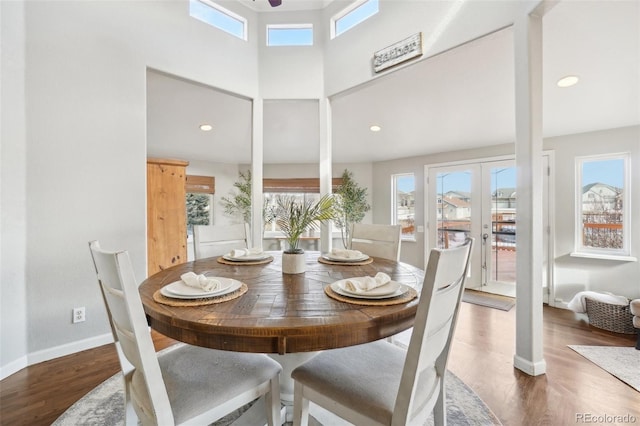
x,y
286,6
463,98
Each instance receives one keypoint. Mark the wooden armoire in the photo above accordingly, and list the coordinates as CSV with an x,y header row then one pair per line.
x,y
166,214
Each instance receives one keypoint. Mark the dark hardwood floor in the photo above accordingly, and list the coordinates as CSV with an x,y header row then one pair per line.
x,y
482,356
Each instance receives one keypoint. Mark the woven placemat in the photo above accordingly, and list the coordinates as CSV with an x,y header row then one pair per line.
x,y
331,262
158,297
398,300
256,262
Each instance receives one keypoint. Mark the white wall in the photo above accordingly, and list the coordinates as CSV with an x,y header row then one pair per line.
x,y
13,224
81,147
444,25
571,274
291,72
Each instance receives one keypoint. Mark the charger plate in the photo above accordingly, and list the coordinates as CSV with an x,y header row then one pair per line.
x,y
332,262
404,298
251,262
158,297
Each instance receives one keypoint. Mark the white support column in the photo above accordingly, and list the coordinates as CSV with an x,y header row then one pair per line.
x,y
325,166
528,148
256,171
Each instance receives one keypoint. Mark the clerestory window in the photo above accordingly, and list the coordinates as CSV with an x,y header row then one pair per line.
x,y
353,15
290,35
219,17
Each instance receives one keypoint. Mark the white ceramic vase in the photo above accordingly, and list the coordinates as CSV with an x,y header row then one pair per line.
x,y
293,263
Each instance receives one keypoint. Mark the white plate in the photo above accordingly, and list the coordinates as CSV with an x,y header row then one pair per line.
x,y
179,290
334,258
247,258
400,290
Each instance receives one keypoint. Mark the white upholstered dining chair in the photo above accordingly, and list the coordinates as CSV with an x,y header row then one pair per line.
x,y
183,384
381,384
217,240
377,240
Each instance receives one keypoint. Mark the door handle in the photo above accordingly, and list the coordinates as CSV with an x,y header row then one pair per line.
x,y
485,236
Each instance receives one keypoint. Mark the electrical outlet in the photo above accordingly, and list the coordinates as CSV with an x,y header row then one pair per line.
x,y
78,315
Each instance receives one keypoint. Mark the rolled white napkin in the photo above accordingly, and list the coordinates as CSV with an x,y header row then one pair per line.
x,y
246,252
200,281
346,254
362,284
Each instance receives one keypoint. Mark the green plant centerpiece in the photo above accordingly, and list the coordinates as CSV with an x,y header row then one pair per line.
x,y
294,218
351,206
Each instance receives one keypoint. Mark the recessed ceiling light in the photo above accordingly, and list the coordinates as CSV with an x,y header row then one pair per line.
x,y
568,81
206,127
375,128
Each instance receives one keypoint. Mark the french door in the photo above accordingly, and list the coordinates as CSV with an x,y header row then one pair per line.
x,y
478,200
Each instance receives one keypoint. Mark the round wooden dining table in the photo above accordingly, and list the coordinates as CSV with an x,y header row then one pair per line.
x,y
281,313
286,314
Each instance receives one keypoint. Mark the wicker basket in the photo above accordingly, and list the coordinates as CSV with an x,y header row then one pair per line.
x,y
616,318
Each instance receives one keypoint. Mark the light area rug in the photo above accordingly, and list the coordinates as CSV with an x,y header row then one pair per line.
x,y
494,301
622,362
104,406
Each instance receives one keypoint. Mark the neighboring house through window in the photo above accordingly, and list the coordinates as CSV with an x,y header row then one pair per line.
x,y
403,203
603,206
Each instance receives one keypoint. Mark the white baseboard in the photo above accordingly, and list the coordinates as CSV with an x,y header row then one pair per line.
x,y
559,303
52,353
531,368
69,348
13,367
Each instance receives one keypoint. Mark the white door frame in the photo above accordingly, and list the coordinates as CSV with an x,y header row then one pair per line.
x,y
430,222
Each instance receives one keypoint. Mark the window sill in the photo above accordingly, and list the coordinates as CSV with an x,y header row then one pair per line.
x,y
604,257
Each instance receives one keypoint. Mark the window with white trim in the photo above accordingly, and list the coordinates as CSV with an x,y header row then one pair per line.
x,y
353,15
219,17
290,35
603,206
404,209
199,200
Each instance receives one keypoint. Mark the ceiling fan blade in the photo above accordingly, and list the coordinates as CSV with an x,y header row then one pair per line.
x,y
275,3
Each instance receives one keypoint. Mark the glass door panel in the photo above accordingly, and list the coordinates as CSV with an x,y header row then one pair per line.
x,y
479,200
499,226
452,202
454,208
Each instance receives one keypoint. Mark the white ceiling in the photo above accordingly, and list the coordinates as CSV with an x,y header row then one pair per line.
x,y
463,98
286,6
